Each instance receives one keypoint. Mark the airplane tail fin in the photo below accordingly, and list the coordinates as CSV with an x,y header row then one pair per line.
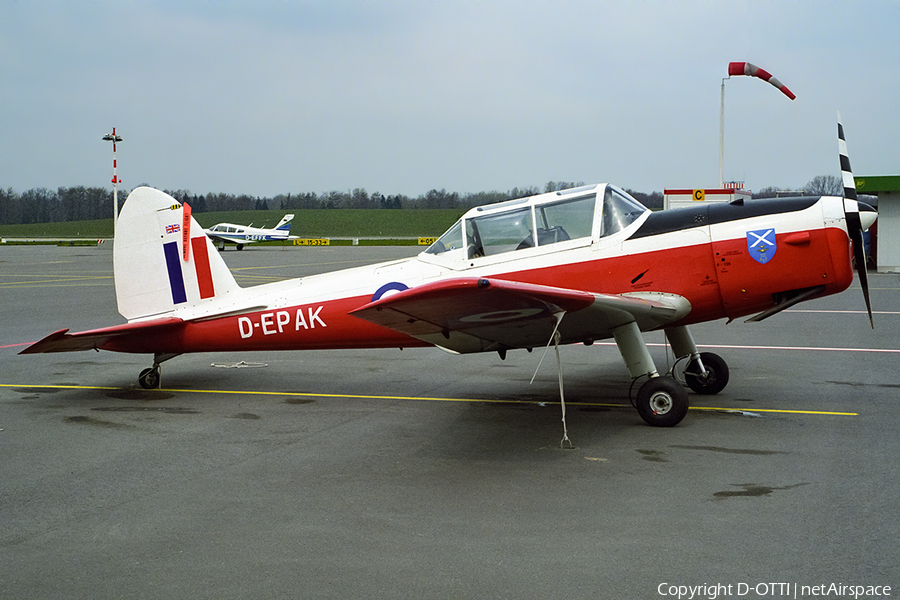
x,y
285,223
163,261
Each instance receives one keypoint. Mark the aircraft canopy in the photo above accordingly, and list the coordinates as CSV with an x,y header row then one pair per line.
x,y
539,221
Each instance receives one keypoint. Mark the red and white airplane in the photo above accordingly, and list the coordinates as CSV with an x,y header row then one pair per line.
x,y
565,267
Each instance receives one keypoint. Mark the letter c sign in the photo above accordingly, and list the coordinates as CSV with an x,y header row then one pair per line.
x,y
699,195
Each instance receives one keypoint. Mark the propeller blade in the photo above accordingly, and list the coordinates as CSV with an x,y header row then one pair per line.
x,y
851,214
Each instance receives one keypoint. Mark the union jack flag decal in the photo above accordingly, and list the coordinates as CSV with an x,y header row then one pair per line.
x,y
173,228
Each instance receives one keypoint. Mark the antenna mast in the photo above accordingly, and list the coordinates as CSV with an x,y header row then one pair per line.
x,y
112,137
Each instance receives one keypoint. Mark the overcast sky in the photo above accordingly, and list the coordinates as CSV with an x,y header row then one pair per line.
x,y
269,97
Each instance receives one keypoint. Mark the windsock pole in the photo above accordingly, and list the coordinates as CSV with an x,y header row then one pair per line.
x,y
751,70
721,131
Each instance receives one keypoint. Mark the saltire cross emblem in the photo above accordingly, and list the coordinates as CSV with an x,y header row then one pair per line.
x,y
761,245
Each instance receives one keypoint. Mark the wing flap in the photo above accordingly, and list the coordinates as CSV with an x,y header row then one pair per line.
x,y
478,314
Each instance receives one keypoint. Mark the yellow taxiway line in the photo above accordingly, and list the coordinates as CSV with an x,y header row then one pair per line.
x,y
424,399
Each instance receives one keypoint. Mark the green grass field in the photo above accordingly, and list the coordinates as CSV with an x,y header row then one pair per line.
x,y
308,223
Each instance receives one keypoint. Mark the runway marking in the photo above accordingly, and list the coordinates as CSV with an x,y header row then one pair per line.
x,y
427,399
59,387
778,410
844,312
804,348
305,265
19,286
58,281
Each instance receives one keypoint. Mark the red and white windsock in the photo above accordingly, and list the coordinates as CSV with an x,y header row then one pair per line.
x,y
745,68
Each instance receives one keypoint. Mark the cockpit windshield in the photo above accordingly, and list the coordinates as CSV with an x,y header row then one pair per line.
x,y
451,240
619,210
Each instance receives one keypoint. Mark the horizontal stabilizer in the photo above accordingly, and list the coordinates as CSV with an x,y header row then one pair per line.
x,y
117,337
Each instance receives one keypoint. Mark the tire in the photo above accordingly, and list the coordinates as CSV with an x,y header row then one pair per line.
x,y
716,379
662,402
149,379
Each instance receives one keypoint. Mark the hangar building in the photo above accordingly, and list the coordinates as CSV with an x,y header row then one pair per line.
x,y
887,188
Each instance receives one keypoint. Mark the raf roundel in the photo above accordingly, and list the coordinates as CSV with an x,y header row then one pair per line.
x,y
388,288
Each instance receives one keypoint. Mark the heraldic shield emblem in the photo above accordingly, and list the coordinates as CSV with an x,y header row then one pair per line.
x,y
761,244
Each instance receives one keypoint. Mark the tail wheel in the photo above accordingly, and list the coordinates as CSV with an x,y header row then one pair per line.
x,y
662,402
715,379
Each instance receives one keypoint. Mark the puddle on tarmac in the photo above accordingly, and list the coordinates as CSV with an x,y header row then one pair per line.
x,y
653,455
138,395
96,422
753,490
749,451
248,416
169,410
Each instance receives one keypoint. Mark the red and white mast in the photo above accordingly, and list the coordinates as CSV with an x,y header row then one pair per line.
x,y
112,137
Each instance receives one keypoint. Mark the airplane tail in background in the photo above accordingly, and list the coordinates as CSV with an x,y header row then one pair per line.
x,y
285,223
163,261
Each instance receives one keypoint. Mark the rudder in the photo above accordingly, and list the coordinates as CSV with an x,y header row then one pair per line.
x,y
164,263
285,223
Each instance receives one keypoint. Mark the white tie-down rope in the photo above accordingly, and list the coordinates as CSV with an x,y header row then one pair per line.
x,y
554,339
238,365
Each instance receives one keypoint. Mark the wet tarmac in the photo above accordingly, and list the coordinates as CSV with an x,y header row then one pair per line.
x,y
414,473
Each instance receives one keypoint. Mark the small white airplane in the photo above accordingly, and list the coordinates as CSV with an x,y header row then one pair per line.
x,y
229,233
567,267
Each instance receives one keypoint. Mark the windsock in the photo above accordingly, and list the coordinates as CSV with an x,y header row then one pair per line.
x,y
745,68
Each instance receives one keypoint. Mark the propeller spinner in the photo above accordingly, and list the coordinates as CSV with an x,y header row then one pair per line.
x,y
851,213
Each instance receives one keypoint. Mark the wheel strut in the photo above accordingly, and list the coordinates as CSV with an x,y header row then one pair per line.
x,y
706,373
661,401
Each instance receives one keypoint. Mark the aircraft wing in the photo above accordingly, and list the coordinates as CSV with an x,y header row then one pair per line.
x,y
479,314
215,239
63,341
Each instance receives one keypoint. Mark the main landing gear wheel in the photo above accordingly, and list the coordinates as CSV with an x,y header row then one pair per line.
x,y
715,379
662,402
149,378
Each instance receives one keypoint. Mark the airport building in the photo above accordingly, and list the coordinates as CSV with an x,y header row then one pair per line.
x,y
728,193
887,240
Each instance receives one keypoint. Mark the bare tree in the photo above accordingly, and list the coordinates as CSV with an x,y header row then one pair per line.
x,y
824,185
